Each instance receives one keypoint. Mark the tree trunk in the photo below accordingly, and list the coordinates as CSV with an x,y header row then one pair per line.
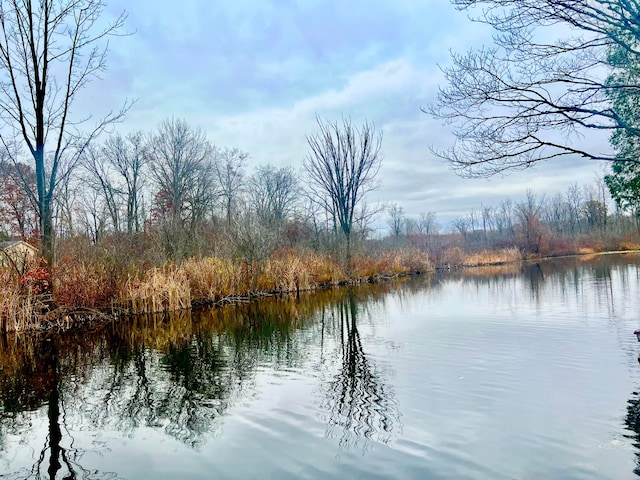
x,y
348,259
55,433
44,207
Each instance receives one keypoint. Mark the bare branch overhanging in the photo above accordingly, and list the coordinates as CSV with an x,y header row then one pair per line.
x,y
527,99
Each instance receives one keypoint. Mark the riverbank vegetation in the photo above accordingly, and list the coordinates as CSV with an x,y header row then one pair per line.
x,y
164,219
129,261
229,234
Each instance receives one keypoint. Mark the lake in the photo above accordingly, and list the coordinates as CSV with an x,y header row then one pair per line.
x,y
512,372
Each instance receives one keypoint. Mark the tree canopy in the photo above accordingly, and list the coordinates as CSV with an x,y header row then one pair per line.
x,y
342,166
624,180
531,96
49,51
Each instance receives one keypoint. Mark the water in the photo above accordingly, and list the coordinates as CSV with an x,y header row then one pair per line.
x,y
511,373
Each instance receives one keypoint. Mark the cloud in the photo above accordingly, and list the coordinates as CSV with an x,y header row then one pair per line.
x,y
255,75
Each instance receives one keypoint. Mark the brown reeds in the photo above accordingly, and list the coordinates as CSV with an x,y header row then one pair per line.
x,y
20,304
213,278
210,280
158,290
492,257
80,286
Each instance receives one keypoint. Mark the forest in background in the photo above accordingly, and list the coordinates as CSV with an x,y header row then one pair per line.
x,y
162,219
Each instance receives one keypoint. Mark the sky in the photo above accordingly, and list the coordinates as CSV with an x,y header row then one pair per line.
x,y
254,75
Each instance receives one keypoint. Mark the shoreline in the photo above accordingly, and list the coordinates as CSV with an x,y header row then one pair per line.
x,y
60,319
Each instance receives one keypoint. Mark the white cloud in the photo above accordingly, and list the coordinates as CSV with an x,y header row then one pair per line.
x,y
256,80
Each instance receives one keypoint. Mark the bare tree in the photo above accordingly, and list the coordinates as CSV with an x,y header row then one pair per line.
x,y
181,159
127,157
229,173
487,220
574,203
530,229
527,100
504,218
461,224
49,51
273,194
395,219
426,223
341,167
92,215
99,177
555,214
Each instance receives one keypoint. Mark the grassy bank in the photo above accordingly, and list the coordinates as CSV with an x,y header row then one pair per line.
x,y
78,290
89,285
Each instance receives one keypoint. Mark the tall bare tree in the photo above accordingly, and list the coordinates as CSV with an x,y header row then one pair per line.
x,y
127,157
181,159
531,231
426,223
530,96
342,167
99,178
395,219
273,194
229,172
49,51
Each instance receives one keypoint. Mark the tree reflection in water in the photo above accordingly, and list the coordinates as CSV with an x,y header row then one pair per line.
x,y
359,402
41,382
632,423
179,374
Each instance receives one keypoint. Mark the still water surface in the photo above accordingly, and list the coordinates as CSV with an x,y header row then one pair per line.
x,y
511,373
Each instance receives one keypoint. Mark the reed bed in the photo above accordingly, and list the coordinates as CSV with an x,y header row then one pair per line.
x,y
20,304
17,310
87,287
158,290
629,246
489,257
78,285
213,280
391,263
490,271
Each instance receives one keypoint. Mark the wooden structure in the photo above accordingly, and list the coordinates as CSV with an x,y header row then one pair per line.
x,y
17,254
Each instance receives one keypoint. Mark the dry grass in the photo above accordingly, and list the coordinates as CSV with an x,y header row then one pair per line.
x,y
391,263
629,246
284,272
489,257
159,289
450,257
322,269
79,285
213,279
18,308
493,270
23,302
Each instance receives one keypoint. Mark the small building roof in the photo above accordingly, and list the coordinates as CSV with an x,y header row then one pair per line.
x,y
11,243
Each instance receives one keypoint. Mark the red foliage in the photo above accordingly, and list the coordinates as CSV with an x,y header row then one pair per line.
x,y
37,280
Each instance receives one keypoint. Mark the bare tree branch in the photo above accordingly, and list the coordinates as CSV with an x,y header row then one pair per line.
x,y
527,99
341,168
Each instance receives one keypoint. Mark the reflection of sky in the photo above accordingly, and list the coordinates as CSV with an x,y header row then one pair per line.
x,y
533,387
254,76
505,377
